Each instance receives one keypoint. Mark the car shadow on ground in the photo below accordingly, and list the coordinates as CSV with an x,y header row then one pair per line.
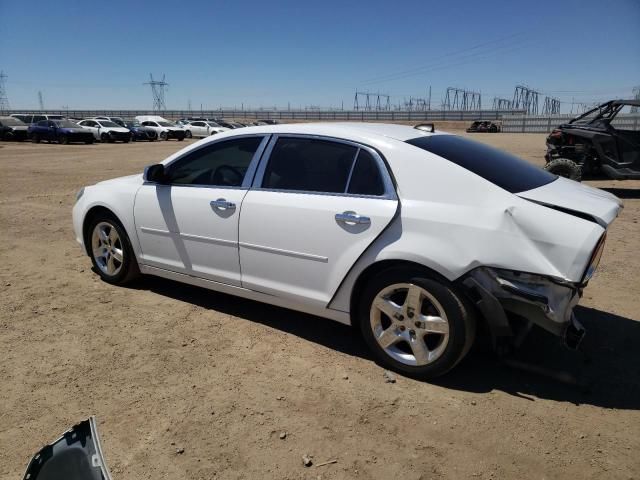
x,y
623,192
605,375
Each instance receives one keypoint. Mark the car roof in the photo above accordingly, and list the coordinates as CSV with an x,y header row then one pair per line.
x,y
345,130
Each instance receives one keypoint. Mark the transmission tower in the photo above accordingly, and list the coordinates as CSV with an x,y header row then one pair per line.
x,y
501,103
40,100
461,99
372,101
551,106
634,109
157,90
4,101
525,98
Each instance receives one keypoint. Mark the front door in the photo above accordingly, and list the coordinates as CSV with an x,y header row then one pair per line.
x,y
189,224
317,205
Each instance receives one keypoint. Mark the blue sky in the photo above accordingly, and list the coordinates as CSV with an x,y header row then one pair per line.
x,y
86,54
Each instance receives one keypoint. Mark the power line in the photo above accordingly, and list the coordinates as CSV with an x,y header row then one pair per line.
x,y
447,56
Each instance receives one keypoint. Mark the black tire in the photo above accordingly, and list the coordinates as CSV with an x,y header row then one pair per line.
x,y
188,134
164,136
89,142
563,167
127,140
35,138
105,138
180,139
460,316
129,269
64,140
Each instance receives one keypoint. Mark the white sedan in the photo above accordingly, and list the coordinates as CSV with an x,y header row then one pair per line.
x,y
412,235
202,129
106,131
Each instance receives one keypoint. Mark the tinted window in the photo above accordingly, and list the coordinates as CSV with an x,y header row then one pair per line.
x,y
366,178
309,165
500,168
221,164
24,118
43,123
38,118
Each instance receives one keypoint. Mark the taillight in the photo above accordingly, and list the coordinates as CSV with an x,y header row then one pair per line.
x,y
595,259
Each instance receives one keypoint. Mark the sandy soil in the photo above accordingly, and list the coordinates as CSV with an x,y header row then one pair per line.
x,y
166,366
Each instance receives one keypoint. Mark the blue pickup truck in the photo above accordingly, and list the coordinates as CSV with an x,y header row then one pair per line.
x,y
61,131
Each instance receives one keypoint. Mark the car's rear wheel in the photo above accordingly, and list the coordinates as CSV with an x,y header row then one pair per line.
x,y
111,252
64,140
35,138
563,167
188,134
414,323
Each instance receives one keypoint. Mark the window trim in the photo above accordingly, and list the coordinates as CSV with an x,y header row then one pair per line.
x,y
389,187
248,176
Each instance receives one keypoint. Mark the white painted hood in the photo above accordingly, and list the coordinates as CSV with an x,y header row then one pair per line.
x,y
567,194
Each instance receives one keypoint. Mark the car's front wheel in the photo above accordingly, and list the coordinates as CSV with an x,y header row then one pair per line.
x,y
111,252
35,138
105,138
164,136
188,134
414,323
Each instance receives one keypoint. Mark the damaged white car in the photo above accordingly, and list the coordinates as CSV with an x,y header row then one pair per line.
x,y
414,236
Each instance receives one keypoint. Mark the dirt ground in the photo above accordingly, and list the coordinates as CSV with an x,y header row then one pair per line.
x,y
167,367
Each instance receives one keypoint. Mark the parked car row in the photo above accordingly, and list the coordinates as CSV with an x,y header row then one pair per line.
x,y
107,129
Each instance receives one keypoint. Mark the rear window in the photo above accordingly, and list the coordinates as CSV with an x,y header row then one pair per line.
x,y
500,168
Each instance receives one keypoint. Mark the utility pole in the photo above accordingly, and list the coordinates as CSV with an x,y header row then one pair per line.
x,y
4,101
157,90
40,101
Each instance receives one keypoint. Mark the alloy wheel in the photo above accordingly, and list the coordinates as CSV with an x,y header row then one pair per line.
x,y
409,324
107,248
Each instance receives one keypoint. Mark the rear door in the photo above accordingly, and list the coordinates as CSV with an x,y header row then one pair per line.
x,y
316,205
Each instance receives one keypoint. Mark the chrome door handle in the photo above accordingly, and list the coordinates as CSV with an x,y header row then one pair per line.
x,y
222,203
352,217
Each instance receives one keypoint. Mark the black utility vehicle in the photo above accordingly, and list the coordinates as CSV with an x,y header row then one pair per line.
x,y
591,144
484,126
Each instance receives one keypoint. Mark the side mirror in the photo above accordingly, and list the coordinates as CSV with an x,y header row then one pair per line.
x,y
427,127
155,173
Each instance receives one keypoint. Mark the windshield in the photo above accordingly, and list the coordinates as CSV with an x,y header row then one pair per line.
x,y
166,124
134,124
107,123
11,122
66,124
498,167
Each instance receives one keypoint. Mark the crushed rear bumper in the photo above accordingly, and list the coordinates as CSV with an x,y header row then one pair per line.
x,y
502,296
